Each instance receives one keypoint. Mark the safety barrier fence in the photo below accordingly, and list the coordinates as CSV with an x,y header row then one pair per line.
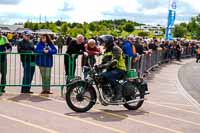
x,y
13,66
144,64
19,69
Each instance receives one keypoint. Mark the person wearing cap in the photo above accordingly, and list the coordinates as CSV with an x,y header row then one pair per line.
x,y
5,47
25,48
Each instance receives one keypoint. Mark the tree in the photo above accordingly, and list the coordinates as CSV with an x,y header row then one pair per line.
x,y
194,27
143,34
64,28
35,26
92,27
53,27
128,27
58,23
28,25
180,31
43,26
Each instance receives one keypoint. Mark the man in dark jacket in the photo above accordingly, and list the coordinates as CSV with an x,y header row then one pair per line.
x,y
75,48
5,47
138,46
25,48
153,45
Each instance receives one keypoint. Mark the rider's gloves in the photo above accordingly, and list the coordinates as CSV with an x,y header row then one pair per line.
x,y
99,67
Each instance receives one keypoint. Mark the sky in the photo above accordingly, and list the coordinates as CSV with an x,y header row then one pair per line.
x,y
143,11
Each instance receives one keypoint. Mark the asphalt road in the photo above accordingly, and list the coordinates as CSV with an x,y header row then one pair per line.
x,y
166,110
189,76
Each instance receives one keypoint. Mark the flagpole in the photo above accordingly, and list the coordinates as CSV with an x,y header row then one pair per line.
x,y
169,4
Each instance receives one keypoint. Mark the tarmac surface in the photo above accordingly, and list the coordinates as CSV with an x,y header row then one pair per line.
x,y
189,76
168,109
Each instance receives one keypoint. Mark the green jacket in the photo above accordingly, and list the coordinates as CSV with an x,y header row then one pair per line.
x,y
115,59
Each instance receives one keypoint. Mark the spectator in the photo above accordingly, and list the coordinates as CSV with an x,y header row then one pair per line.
x,y
138,46
198,53
60,42
129,49
4,47
162,45
75,48
92,50
153,45
25,48
10,37
68,40
178,51
16,40
145,46
46,49
167,51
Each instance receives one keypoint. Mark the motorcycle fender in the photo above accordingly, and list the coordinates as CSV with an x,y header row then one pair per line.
x,y
89,86
144,86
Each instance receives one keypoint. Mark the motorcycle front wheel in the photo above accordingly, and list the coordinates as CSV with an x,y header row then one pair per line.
x,y
80,98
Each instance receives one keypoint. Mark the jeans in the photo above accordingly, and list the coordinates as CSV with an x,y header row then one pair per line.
x,y
3,72
112,76
46,77
28,76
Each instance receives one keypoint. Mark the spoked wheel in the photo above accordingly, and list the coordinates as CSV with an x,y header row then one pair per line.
x,y
80,98
138,95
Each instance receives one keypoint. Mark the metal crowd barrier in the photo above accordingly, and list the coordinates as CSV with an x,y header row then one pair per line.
x,y
11,66
144,64
14,69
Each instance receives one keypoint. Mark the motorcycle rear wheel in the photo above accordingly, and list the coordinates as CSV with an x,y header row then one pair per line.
x,y
135,106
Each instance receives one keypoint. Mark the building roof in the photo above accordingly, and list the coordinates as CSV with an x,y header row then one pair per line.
x,y
10,28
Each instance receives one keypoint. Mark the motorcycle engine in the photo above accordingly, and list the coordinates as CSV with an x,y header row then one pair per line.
x,y
107,91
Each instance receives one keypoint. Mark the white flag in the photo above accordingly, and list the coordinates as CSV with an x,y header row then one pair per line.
x,y
173,5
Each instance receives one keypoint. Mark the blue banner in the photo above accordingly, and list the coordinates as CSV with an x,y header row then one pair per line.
x,y
171,19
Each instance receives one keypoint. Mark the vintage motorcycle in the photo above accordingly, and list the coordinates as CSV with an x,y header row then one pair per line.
x,y
82,95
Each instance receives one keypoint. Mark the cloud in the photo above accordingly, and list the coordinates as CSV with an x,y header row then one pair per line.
x,y
67,7
9,2
142,17
186,9
151,12
144,11
152,4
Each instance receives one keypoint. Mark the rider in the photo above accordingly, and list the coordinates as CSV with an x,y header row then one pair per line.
x,y
114,62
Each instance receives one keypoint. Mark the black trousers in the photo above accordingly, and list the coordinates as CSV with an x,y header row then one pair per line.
x,y
3,72
178,55
70,65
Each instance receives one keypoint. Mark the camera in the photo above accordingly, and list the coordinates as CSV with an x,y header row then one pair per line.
x,y
46,47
